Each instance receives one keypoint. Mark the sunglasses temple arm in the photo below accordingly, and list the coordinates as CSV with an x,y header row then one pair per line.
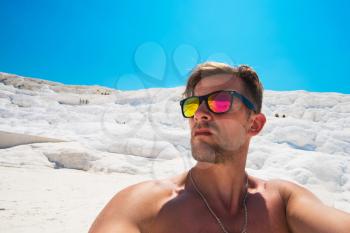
x,y
246,102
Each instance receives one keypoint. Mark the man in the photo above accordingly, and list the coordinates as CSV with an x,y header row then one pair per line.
x,y
223,106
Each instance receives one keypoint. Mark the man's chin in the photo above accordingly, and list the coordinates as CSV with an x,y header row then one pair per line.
x,y
210,152
203,152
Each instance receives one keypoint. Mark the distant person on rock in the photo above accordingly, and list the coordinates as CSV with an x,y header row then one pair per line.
x,y
223,107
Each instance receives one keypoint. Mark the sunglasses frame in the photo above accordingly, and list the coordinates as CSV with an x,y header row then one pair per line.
x,y
233,93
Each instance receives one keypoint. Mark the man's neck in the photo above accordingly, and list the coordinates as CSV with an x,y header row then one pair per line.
x,y
223,185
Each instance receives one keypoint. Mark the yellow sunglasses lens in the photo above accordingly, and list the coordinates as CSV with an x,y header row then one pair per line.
x,y
190,106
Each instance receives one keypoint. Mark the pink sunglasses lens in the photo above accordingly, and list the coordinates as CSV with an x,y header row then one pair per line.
x,y
220,102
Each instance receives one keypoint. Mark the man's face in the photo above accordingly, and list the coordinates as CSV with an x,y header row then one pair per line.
x,y
216,138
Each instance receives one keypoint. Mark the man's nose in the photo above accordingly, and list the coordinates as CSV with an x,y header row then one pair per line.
x,y
202,113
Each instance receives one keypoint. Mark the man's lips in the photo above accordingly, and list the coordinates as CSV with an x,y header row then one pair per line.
x,y
204,132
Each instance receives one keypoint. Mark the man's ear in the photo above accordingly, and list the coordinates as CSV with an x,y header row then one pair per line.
x,y
257,124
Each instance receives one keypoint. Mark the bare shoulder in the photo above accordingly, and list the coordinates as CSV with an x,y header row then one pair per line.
x,y
271,192
289,191
133,208
270,187
293,195
283,188
306,213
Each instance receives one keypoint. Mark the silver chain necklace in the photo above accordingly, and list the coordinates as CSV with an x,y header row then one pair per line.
x,y
244,228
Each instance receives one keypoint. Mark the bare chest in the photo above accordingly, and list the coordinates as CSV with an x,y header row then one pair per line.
x,y
264,214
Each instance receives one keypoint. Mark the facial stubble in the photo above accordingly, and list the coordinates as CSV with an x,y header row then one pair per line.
x,y
221,148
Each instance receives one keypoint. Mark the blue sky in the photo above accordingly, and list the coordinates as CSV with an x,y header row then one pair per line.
x,y
293,45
